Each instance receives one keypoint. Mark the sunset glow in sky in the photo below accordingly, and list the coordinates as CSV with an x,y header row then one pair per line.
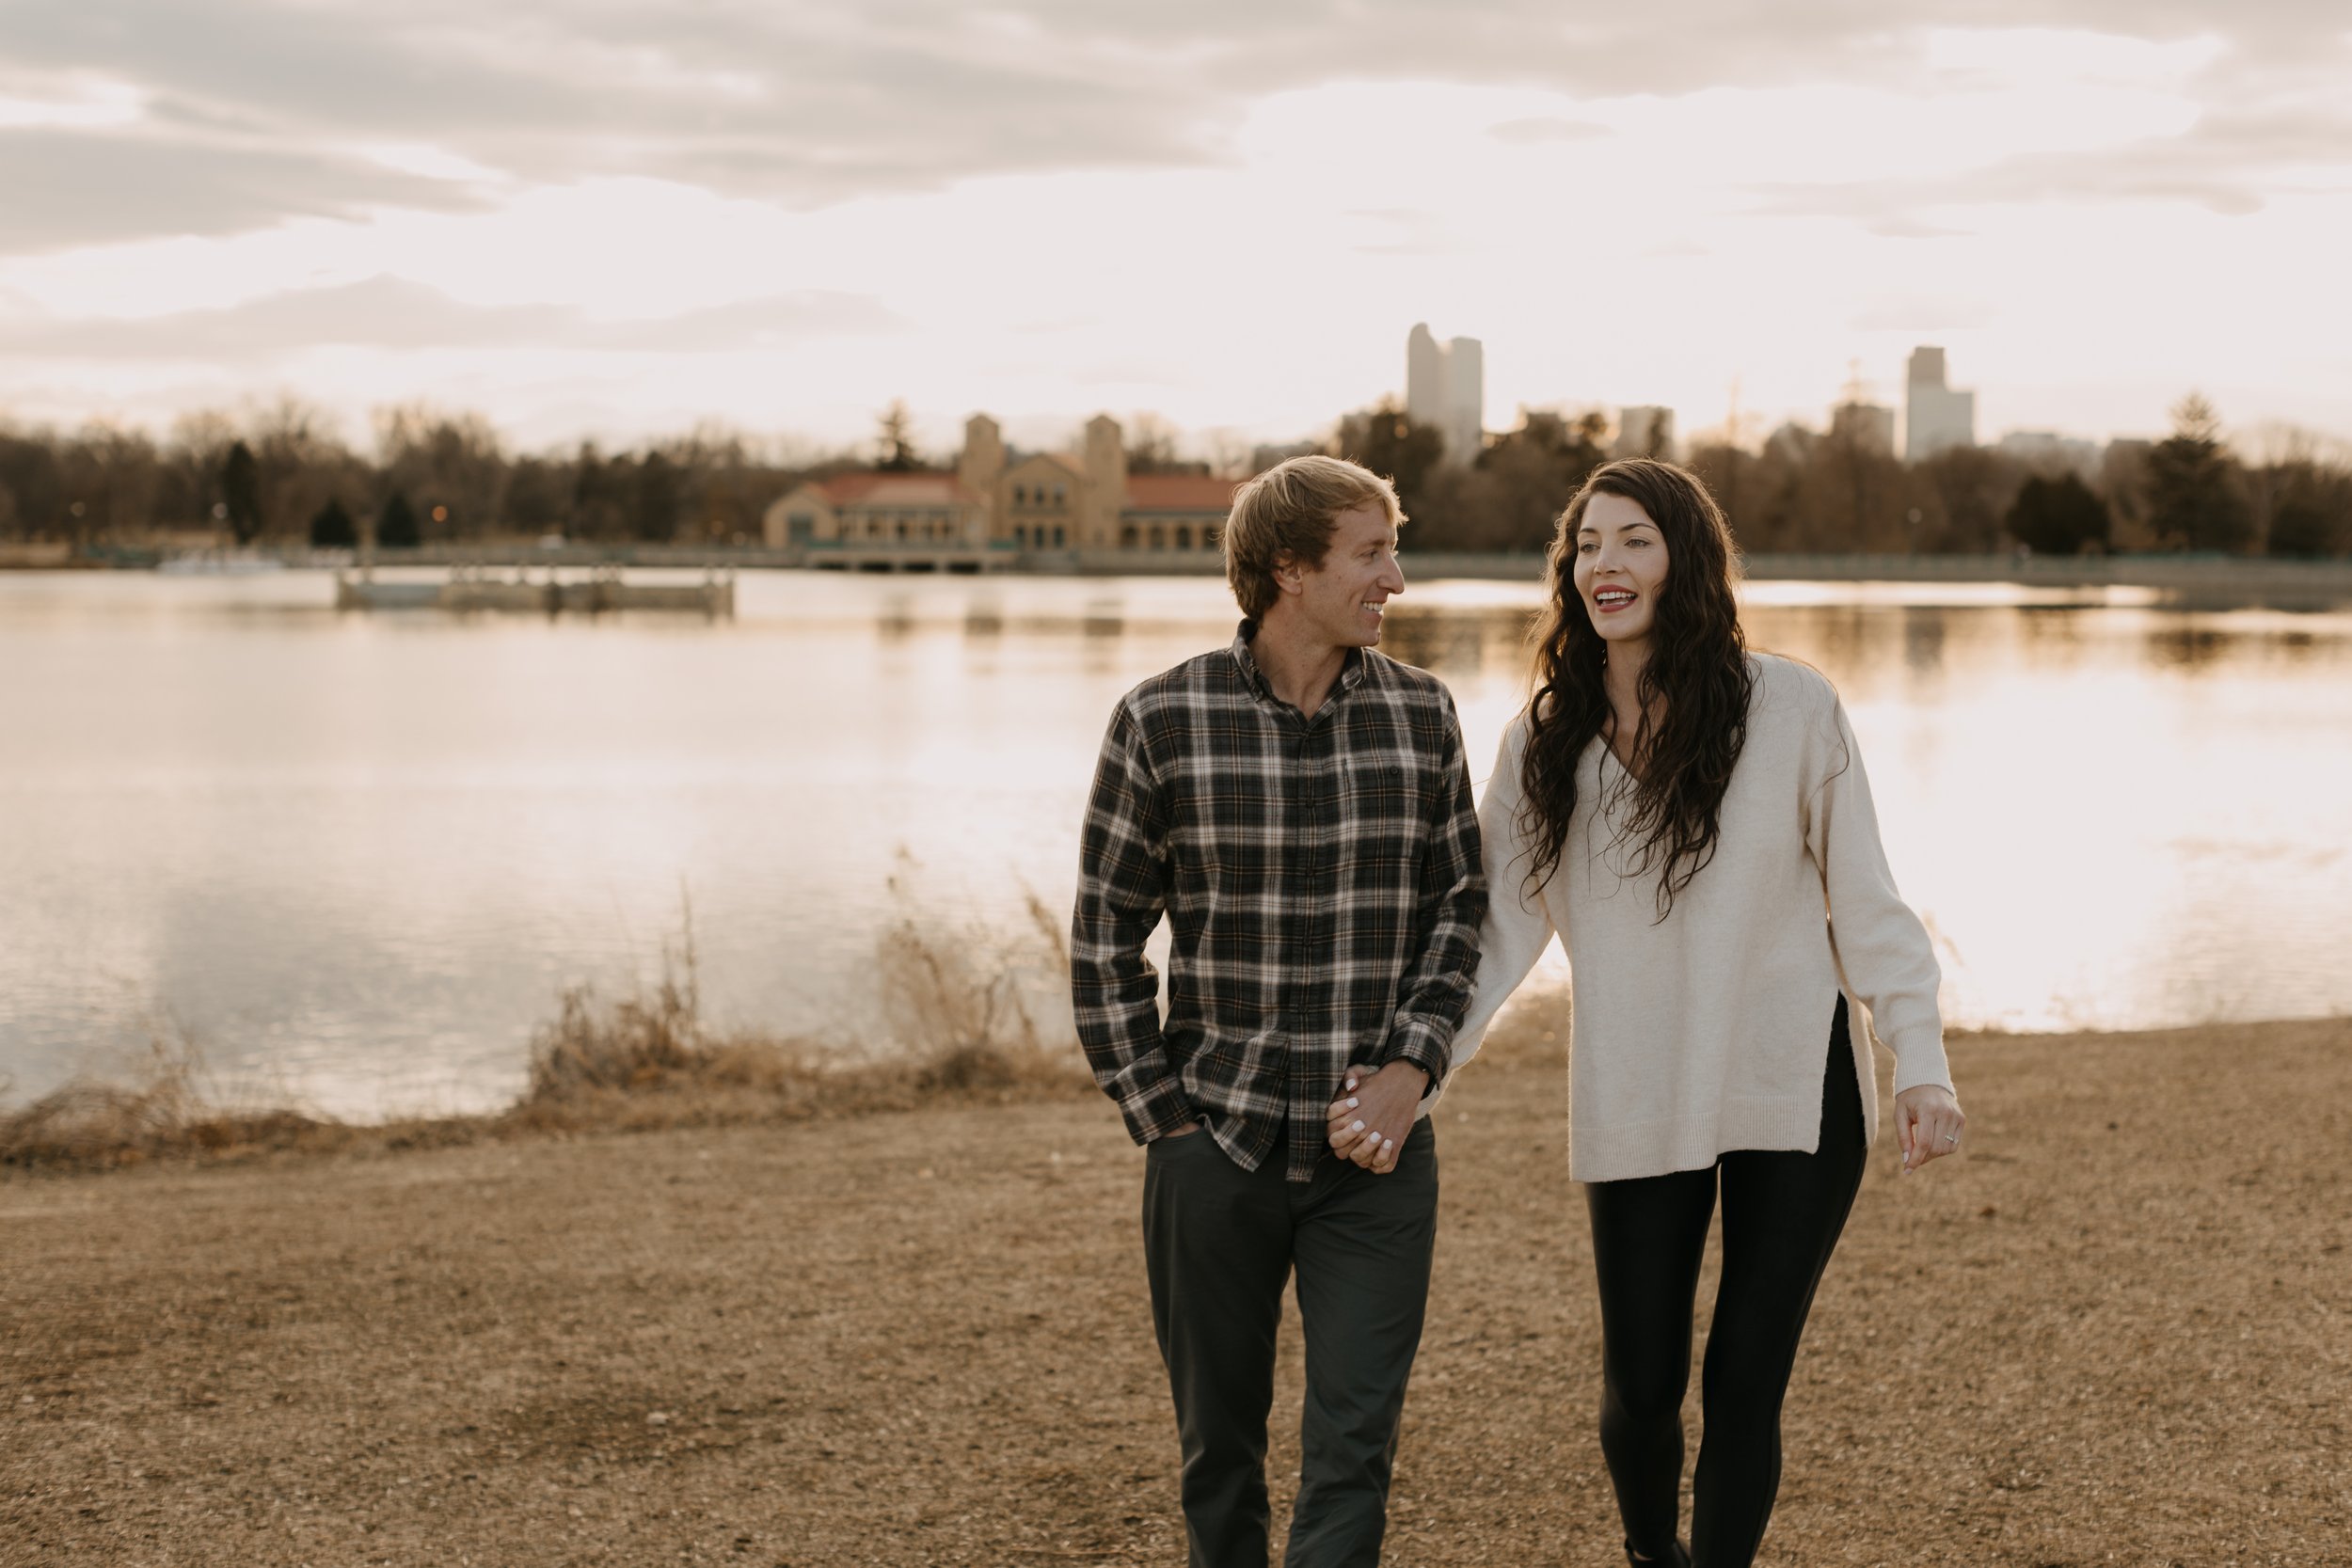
x,y
619,219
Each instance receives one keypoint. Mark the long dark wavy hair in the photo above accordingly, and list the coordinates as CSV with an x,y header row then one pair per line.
x,y
1696,682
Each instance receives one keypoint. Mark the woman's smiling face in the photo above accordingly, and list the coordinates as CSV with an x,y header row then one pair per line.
x,y
1620,567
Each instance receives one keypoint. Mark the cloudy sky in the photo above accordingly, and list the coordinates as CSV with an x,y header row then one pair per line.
x,y
617,217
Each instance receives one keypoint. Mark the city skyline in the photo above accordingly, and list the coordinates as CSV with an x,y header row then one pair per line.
x,y
620,223
1445,388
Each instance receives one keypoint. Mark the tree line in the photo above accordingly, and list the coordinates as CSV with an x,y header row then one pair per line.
x,y
1840,491
284,476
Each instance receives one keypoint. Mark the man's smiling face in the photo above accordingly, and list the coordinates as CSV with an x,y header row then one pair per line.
x,y
1342,599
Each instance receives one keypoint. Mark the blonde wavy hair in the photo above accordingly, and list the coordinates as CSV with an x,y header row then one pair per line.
x,y
1285,515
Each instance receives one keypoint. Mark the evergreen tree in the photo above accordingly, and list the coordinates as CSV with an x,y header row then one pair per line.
x,y
2312,513
2195,500
2058,516
396,525
1392,444
2300,527
660,493
897,439
240,491
332,528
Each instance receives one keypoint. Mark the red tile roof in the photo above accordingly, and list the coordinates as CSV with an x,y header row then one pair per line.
x,y
881,489
1179,493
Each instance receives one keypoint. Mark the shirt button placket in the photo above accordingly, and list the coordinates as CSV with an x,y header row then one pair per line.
x,y
1316,803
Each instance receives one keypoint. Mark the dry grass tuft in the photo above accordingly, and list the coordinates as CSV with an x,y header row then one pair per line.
x,y
163,1110
959,1028
962,1027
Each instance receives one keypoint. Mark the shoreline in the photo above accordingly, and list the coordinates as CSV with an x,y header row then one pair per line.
x,y
87,1127
2194,578
2113,1331
675,1081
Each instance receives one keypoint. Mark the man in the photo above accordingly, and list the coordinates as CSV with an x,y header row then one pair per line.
x,y
1298,806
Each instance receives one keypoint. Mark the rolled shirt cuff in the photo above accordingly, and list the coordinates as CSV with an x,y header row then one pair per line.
x,y
1418,1043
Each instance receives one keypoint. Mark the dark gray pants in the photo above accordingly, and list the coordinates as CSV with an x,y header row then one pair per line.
x,y
1219,1242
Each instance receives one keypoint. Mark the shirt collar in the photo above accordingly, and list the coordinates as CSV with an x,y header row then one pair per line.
x,y
1352,666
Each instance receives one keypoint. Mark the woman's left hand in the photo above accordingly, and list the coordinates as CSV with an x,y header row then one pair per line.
x,y
1929,1124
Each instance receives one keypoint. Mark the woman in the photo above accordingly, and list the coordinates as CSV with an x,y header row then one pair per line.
x,y
1683,813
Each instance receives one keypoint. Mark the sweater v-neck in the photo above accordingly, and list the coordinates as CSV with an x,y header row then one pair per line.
x,y
1609,750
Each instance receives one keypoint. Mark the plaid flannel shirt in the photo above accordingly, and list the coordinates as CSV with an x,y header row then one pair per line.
x,y
1322,878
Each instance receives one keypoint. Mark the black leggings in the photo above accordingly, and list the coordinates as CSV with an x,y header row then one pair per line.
x,y
1781,1213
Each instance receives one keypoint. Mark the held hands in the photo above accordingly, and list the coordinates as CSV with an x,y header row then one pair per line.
x,y
1375,1110
1927,1124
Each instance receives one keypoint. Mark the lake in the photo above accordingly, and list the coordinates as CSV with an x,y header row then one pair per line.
x,y
356,857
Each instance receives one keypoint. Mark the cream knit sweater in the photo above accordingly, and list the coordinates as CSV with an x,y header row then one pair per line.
x,y
1710,1032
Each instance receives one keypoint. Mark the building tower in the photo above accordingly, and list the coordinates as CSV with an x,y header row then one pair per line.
x,y
1859,420
1935,416
1105,482
1445,386
1465,398
980,467
1425,377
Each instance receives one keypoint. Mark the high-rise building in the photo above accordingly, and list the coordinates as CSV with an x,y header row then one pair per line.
x,y
1644,429
1935,416
1445,386
1859,420
1465,398
1867,425
1425,377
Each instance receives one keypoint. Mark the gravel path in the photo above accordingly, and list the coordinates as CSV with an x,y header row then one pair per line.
x,y
2118,1331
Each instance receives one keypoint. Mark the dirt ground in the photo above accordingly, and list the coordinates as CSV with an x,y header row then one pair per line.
x,y
2118,1331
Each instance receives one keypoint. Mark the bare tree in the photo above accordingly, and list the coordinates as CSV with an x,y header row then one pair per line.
x,y
302,464
1151,448
452,466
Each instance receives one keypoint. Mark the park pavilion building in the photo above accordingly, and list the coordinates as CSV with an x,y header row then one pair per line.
x,y
1045,501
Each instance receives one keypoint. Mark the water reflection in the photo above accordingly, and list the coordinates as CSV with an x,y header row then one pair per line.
x,y
2190,645
1453,643
1104,617
362,855
894,619
1923,639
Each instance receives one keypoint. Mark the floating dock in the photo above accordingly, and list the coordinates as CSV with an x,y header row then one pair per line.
x,y
476,589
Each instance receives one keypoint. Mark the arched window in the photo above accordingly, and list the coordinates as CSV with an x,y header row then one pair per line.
x,y
1127,536
1057,536
1021,535
1060,493
1208,536
1019,495
1183,536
